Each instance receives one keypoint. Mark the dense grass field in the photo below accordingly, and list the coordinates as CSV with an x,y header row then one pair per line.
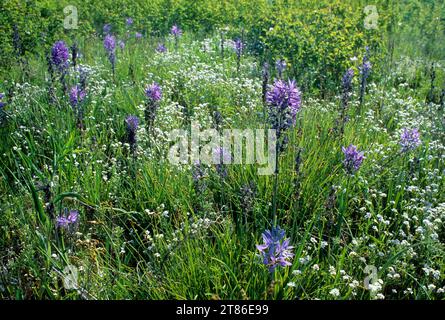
x,y
93,207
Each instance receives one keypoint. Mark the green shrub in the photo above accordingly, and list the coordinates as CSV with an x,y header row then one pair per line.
x,y
317,39
317,43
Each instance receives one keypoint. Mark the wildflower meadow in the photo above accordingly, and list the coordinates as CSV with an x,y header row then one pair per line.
x,y
219,150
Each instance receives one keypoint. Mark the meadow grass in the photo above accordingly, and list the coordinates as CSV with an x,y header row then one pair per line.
x,y
146,231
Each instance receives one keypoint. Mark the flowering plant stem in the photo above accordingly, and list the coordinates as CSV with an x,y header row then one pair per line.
x,y
274,200
344,206
275,186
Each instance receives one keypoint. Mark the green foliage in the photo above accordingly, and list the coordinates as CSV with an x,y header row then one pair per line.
x,y
145,229
317,39
318,43
36,23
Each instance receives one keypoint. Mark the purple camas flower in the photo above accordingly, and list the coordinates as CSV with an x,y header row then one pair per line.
x,y
176,31
277,94
153,92
281,66
132,124
107,28
67,221
294,100
110,47
247,197
410,139
276,249
110,43
198,175
161,48
283,95
284,100
59,62
238,46
138,35
76,96
365,70
129,21
197,172
346,82
346,90
366,66
221,157
121,44
59,55
353,158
